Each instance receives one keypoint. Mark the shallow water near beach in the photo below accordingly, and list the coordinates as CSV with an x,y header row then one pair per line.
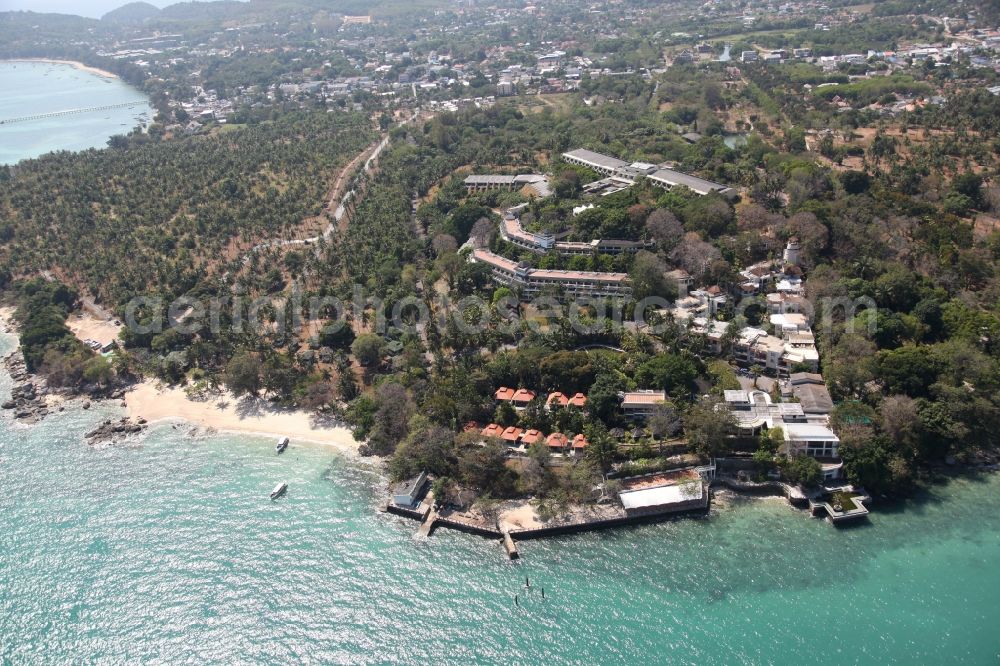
x,y
169,550
35,88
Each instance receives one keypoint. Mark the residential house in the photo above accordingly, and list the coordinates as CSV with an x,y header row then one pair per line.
x,y
682,279
503,394
787,303
756,277
713,331
556,399
754,411
812,439
713,298
559,399
787,324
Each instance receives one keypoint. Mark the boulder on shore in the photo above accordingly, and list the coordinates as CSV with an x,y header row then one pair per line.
x,y
114,431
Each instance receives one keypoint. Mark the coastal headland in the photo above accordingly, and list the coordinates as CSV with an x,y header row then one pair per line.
x,y
153,402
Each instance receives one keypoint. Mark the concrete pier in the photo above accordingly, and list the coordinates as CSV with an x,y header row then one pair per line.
x,y
427,526
510,546
65,112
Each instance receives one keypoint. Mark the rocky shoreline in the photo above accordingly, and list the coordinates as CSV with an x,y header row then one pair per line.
x,y
31,399
115,431
27,394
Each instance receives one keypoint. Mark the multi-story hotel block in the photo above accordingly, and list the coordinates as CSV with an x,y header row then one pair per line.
x,y
533,281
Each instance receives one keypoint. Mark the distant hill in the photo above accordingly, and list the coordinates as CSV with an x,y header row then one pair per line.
x,y
218,10
133,12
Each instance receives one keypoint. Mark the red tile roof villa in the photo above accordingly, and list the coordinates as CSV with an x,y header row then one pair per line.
x,y
492,430
523,396
557,440
556,399
531,436
503,394
511,434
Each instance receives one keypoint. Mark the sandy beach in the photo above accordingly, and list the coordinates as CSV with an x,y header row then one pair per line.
x,y
157,403
86,326
72,63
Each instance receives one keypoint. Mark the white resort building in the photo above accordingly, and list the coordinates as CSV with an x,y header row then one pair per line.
x,y
533,281
512,231
628,172
532,183
803,433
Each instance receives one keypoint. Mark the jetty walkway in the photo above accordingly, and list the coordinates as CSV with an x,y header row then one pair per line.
x,y
66,112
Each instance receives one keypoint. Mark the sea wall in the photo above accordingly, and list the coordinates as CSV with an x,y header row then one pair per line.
x,y
696,507
468,528
794,496
414,514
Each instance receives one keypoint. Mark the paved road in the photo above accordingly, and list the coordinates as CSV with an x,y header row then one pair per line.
x,y
338,215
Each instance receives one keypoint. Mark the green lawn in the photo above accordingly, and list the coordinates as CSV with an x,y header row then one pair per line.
x,y
845,500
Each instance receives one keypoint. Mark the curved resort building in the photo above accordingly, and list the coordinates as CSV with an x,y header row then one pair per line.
x,y
533,281
513,232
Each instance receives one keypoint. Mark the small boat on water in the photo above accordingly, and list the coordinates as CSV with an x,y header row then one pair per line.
x,y
281,445
279,490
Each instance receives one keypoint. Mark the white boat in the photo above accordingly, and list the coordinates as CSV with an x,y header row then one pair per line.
x,y
279,490
281,445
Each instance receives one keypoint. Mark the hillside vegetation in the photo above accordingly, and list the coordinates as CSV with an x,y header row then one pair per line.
x,y
160,216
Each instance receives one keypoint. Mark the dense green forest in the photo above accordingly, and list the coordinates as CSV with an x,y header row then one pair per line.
x,y
162,216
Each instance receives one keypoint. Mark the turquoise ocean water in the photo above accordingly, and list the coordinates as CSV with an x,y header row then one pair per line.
x,y
169,550
32,88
